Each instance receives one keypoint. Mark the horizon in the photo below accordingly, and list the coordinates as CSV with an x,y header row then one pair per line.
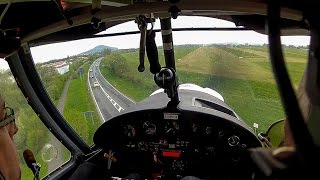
x,y
4,66
56,51
160,46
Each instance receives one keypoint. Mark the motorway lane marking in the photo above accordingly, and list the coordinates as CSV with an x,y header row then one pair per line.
x,y
94,98
111,84
113,102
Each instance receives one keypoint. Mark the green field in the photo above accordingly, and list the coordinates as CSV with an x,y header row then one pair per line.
x,y
78,101
241,74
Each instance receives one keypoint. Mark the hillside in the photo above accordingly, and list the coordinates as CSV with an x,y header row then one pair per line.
x,y
98,49
241,74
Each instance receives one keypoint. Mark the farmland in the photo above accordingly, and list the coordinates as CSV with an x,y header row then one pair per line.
x,y
241,74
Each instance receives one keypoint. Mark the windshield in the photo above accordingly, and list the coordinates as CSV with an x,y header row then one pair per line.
x,y
92,80
104,79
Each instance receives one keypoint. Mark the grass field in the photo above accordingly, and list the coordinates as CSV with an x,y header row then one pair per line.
x,y
79,101
241,74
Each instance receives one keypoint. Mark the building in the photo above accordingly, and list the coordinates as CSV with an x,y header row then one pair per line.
x,y
61,67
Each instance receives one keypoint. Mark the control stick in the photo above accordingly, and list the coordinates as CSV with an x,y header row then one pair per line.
x,y
167,80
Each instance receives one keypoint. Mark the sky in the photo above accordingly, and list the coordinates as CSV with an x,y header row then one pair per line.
x,y
61,50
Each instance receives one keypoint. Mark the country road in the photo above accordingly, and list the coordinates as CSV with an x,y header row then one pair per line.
x,y
58,161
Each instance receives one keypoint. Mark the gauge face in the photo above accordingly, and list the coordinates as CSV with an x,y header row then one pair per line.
x,y
149,128
233,140
129,131
142,146
175,125
171,128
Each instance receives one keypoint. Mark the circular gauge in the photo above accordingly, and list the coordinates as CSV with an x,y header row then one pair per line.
x,y
171,128
233,140
175,125
142,146
149,128
129,131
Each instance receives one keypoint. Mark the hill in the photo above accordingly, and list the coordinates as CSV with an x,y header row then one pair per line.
x,y
98,49
241,74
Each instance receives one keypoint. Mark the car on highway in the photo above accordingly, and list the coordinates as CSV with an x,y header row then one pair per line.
x,y
96,84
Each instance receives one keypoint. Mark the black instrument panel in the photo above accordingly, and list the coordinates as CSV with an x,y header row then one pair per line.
x,y
180,143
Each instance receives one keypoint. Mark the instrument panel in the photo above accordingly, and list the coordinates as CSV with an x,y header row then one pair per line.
x,y
181,143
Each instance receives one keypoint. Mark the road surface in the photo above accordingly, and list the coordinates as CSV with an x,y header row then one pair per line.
x,y
58,161
109,101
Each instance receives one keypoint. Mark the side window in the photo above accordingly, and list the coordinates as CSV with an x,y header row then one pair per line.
x,y
66,82
32,133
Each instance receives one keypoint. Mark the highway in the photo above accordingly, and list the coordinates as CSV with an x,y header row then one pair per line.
x,y
108,100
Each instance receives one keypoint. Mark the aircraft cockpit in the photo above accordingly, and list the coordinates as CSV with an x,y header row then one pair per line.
x,y
155,89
